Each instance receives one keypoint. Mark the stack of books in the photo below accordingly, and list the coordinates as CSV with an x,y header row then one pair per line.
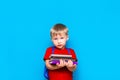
x,y
54,58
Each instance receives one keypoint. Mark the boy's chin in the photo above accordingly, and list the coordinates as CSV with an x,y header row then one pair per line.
x,y
60,47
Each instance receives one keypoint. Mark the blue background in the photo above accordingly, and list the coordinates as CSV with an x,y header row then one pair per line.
x,y
94,30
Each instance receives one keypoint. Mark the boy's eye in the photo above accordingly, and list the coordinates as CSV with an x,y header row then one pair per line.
x,y
55,38
62,37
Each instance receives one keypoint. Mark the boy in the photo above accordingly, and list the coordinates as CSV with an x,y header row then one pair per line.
x,y
64,69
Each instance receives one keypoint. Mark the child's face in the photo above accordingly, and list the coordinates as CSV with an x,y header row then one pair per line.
x,y
60,40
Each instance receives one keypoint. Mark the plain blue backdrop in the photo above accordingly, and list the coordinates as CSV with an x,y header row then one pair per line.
x,y
94,31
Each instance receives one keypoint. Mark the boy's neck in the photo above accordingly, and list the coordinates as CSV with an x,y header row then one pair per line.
x,y
60,48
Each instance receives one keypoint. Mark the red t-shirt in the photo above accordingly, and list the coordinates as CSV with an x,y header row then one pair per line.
x,y
62,73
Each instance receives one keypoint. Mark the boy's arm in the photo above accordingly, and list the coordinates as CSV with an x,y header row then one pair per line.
x,y
53,67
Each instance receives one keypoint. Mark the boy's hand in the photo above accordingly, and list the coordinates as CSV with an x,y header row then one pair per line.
x,y
70,65
61,64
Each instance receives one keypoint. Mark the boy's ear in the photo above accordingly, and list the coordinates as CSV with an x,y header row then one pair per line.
x,y
67,38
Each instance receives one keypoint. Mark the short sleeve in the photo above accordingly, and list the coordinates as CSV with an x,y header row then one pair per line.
x,y
47,53
73,54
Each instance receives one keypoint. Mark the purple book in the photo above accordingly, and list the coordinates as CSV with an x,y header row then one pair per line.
x,y
54,62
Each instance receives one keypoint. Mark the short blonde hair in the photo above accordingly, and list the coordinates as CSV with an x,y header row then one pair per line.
x,y
58,29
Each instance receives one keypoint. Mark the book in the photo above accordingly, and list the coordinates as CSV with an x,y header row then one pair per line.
x,y
60,56
54,58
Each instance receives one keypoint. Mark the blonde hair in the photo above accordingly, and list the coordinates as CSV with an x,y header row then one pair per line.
x,y
58,29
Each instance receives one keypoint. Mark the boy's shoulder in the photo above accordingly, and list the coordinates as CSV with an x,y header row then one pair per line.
x,y
70,48
49,48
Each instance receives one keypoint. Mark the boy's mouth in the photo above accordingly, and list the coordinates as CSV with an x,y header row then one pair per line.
x,y
59,45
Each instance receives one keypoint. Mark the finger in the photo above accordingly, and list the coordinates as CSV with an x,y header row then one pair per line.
x,y
61,61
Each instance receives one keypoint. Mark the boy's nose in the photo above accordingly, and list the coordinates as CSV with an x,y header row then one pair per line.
x,y
59,40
